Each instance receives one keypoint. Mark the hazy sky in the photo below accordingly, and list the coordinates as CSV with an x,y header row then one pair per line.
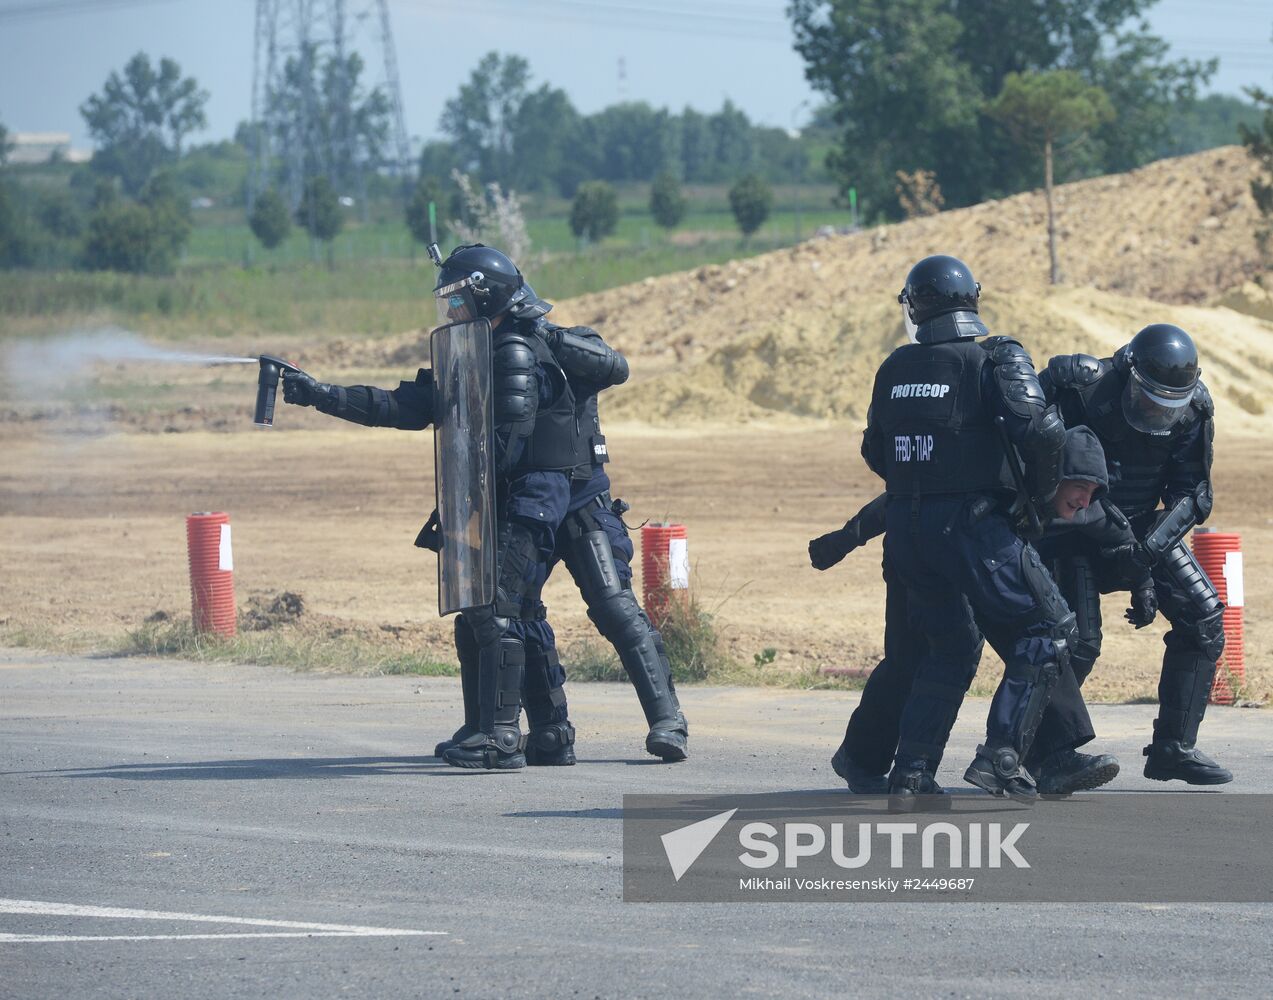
x,y
54,53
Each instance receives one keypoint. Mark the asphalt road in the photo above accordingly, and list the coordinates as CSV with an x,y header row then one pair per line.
x,y
170,829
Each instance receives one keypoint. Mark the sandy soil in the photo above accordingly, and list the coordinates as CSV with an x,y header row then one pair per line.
x,y
93,535
742,419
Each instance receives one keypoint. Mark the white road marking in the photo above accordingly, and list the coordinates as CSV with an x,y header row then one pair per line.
x,y
36,938
33,907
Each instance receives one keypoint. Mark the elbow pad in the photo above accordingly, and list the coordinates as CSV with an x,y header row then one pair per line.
x,y
1017,381
586,356
1042,451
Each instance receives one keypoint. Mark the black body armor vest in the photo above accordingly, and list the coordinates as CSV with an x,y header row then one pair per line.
x,y
1138,462
937,433
559,442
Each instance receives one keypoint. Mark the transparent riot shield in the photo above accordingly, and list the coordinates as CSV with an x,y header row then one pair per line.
x,y
464,466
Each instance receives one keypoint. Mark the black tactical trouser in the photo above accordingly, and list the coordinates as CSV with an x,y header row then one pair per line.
x,y
955,564
870,738
1195,641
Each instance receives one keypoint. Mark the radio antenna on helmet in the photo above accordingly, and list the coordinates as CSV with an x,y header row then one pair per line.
x,y
435,254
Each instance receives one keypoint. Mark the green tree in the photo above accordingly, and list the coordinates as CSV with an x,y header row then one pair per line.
x,y
170,215
140,119
6,146
550,148
697,155
667,204
934,65
60,215
142,236
594,213
319,213
270,220
1259,143
324,111
1206,123
481,119
15,242
631,141
121,237
1042,110
750,200
733,141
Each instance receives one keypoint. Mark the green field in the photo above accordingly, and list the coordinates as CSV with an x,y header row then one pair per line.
x,y
380,281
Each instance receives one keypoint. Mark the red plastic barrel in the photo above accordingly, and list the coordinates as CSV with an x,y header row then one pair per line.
x,y
1220,554
211,573
665,567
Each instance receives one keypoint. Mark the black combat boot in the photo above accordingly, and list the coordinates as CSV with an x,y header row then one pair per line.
x,y
669,733
466,648
501,751
669,739
999,771
551,745
912,788
1068,771
459,736
1174,760
497,745
859,780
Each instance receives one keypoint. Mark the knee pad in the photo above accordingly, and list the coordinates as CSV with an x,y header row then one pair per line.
x,y
1211,635
591,562
487,627
1204,636
619,618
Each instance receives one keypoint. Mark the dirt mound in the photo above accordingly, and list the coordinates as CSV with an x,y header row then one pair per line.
x,y
823,366
1177,231
1252,297
263,612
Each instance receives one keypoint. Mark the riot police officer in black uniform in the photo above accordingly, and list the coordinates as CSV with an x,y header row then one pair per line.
x,y
597,551
1089,531
593,542
1155,420
537,442
950,538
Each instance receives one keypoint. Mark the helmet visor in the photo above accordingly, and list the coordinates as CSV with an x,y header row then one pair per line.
x,y
1153,410
912,330
455,302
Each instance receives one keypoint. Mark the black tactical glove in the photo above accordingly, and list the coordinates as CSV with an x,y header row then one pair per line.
x,y
1133,560
1029,527
301,389
1144,607
827,550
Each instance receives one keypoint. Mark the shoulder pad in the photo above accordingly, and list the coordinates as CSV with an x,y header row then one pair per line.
x,y
1202,401
515,352
1005,350
585,331
1071,370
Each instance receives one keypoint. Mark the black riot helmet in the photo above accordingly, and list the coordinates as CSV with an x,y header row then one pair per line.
x,y
1163,376
479,281
939,301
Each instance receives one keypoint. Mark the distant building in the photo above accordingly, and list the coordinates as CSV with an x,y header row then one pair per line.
x,y
40,147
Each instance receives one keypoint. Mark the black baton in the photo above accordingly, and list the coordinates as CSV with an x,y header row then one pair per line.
x,y
1018,476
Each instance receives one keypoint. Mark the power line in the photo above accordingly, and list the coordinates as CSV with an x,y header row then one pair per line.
x,y
31,10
